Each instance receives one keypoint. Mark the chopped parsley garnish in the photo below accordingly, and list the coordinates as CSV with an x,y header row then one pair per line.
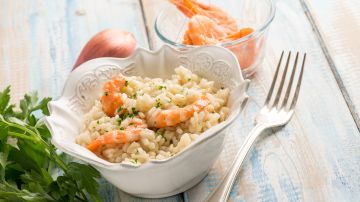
x,y
189,79
124,114
162,87
122,128
134,161
120,110
136,112
158,104
119,120
98,122
161,133
126,83
129,115
133,96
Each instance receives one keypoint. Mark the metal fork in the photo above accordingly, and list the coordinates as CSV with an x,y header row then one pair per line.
x,y
273,114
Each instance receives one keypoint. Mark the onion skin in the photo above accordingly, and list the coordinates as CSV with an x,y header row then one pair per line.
x,y
107,43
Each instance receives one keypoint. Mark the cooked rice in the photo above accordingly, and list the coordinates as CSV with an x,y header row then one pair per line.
x,y
147,95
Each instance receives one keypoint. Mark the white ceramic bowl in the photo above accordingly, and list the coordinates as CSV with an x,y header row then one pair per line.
x,y
156,178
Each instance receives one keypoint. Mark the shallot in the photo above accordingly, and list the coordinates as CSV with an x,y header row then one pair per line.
x,y
107,43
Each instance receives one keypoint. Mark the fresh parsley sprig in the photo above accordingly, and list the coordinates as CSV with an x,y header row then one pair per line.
x,y
30,167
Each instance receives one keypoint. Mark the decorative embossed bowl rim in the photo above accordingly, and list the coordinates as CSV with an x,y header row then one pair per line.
x,y
84,84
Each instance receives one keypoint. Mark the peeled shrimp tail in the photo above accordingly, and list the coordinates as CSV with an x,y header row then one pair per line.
x,y
185,7
191,8
114,137
203,30
171,117
111,99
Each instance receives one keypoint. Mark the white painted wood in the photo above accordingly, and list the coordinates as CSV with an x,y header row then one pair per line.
x,y
315,157
40,42
339,25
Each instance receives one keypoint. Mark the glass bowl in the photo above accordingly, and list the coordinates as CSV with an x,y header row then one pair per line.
x,y
171,24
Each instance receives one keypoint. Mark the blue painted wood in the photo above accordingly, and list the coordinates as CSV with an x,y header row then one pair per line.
x,y
40,41
336,24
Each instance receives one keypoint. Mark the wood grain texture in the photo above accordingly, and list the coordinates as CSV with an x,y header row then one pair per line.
x,y
338,27
40,41
316,156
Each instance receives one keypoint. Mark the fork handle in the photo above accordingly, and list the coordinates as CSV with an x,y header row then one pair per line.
x,y
222,192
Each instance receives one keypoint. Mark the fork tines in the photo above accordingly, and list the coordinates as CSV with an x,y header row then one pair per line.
x,y
273,99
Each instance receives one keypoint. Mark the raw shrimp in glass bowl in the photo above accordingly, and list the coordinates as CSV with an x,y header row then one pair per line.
x,y
242,27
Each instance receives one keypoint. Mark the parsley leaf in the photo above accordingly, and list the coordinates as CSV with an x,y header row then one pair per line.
x,y
120,110
158,103
161,133
161,87
85,177
4,99
5,107
28,160
133,96
134,111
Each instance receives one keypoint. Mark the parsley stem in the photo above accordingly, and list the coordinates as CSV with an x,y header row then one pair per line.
x,y
80,199
21,136
4,162
9,186
83,195
50,152
25,129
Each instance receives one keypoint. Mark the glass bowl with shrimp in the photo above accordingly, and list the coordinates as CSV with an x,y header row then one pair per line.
x,y
152,123
242,27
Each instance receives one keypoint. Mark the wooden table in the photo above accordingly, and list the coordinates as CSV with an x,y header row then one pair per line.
x,y
316,157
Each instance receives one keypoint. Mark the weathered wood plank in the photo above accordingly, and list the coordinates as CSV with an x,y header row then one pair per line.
x,y
337,24
315,157
40,41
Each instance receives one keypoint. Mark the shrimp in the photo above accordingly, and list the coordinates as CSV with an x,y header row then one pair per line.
x,y
221,17
172,117
241,33
115,137
246,51
130,134
111,100
187,39
203,30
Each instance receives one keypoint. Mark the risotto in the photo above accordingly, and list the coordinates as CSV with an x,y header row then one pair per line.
x,y
138,119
